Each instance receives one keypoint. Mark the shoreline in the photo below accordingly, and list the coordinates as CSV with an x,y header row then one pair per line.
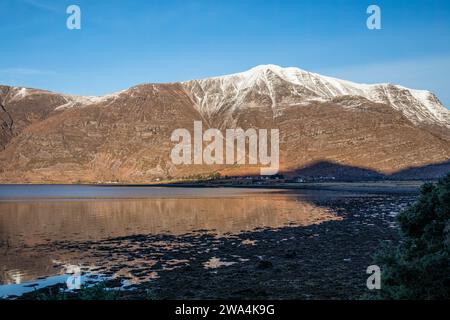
x,y
383,187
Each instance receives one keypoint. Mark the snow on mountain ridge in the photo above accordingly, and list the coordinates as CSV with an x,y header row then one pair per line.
x,y
211,94
74,101
20,93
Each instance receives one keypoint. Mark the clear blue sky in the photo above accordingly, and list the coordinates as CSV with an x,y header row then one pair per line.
x,y
127,42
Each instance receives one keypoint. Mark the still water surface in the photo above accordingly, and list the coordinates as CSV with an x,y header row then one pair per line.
x,y
35,216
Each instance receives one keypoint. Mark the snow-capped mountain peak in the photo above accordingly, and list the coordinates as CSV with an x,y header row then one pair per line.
x,y
293,86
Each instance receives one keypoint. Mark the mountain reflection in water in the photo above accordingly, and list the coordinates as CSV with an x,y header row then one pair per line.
x,y
32,222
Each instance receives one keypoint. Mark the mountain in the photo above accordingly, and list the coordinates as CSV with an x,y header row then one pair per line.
x,y
125,136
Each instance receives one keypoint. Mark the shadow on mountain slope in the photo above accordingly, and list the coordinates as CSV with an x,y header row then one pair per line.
x,y
340,172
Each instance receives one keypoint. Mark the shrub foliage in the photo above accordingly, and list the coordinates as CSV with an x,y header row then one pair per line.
x,y
419,266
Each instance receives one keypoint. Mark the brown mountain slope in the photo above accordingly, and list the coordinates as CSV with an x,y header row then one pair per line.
x,y
126,140
20,107
371,136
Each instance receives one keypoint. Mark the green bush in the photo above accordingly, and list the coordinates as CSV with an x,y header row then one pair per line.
x,y
419,267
